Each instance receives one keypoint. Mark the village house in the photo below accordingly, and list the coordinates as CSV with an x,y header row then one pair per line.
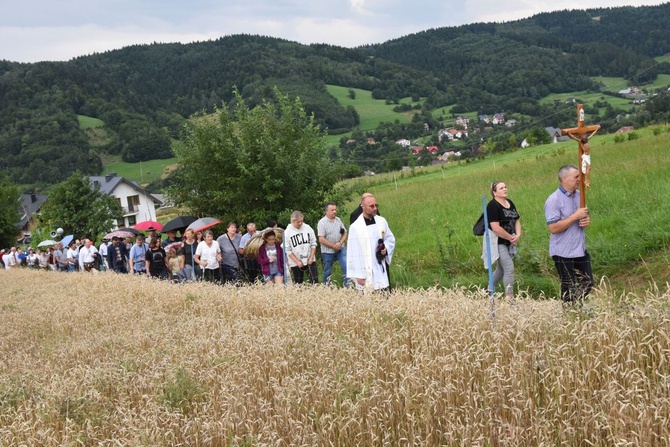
x,y
403,142
451,134
445,156
431,149
510,123
498,118
555,134
137,204
29,205
463,121
485,118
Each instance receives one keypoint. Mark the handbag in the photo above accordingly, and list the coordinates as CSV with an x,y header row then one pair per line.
x,y
241,271
478,229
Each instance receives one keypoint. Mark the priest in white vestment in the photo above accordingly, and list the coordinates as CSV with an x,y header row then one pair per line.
x,y
366,265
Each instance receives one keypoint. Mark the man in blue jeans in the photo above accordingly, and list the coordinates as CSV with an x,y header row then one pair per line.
x,y
332,235
567,242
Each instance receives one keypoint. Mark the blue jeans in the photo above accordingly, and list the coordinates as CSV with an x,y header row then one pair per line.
x,y
328,261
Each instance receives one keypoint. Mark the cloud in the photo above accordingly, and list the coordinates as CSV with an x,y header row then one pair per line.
x,y
34,30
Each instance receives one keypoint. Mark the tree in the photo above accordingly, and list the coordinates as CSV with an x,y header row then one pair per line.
x,y
255,164
80,208
9,211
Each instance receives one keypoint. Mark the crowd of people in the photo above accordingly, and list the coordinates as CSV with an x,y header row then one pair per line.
x,y
267,255
364,252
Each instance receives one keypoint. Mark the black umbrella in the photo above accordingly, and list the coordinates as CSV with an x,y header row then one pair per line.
x,y
179,223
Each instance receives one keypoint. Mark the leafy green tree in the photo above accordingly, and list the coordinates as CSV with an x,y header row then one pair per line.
x,y
255,164
80,208
9,211
537,135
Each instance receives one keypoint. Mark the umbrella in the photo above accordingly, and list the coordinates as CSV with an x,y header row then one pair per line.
x,y
121,234
67,239
176,245
149,225
203,223
179,223
130,230
47,243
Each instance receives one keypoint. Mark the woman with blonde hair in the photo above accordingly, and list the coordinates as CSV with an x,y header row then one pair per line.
x,y
504,236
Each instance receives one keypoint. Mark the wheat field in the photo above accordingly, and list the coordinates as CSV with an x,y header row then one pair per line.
x,y
111,360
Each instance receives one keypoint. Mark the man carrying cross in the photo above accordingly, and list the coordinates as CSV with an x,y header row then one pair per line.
x,y
567,216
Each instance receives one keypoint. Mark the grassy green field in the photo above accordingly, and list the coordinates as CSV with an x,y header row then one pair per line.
x,y
143,172
432,214
87,122
371,111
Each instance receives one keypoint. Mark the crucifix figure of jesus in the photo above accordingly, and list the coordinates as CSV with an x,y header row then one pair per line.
x,y
582,133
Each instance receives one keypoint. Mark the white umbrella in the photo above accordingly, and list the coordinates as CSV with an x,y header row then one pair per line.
x,y
203,223
47,243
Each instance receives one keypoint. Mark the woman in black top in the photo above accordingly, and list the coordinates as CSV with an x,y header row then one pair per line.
x,y
504,223
155,258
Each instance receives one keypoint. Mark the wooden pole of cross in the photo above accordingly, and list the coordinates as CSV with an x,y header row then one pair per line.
x,y
581,134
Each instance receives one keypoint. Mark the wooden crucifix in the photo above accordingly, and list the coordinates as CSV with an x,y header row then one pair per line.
x,y
582,134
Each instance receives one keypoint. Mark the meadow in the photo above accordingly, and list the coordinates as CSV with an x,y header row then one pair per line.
x,y
144,172
105,359
431,212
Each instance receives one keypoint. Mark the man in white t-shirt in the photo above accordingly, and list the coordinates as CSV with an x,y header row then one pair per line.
x,y
72,256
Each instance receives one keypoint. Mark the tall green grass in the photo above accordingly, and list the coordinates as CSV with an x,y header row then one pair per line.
x,y
432,214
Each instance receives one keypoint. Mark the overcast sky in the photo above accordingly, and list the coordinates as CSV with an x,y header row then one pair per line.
x,y
38,30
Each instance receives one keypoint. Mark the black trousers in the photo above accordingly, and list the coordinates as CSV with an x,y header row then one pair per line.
x,y
576,277
298,274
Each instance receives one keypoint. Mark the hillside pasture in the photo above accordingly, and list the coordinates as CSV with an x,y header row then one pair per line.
x,y
144,172
88,122
105,359
432,214
371,111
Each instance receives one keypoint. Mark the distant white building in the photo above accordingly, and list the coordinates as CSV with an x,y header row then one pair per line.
x,y
137,204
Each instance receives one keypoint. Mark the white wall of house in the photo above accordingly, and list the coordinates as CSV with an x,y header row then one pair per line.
x,y
138,209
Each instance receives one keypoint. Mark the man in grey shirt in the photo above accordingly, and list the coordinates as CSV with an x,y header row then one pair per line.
x,y
567,242
332,235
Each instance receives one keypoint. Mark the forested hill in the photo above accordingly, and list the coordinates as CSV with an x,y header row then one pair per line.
x,y
549,52
144,93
